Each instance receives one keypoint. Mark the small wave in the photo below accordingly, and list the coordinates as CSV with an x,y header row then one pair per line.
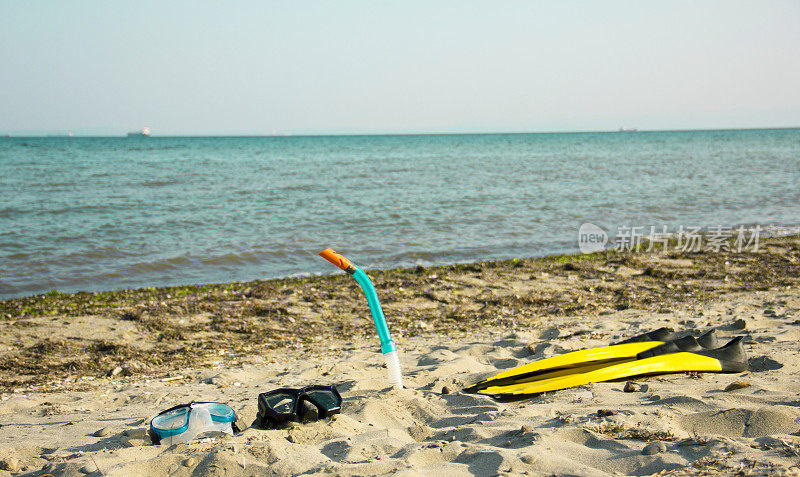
x,y
224,261
8,290
303,275
96,255
51,186
781,230
8,212
300,187
8,245
229,259
169,147
157,183
80,209
158,265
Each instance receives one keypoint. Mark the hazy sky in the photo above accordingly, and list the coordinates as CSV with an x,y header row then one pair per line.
x,y
258,67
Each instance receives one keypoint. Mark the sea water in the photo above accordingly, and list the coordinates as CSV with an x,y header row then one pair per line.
x,y
109,213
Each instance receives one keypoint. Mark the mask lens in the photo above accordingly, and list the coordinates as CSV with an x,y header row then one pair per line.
x,y
281,403
172,420
325,398
220,412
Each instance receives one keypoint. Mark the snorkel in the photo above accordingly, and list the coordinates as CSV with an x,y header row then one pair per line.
x,y
388,348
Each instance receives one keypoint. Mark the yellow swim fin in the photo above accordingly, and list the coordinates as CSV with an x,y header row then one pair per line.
x,y
578,361
730,358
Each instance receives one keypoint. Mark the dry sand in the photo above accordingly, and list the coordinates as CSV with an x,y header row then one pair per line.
x,y
81,384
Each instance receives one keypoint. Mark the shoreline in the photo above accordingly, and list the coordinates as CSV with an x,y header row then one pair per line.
x,y
772,232
288,313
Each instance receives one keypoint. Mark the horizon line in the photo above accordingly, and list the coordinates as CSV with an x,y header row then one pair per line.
x,y
68,134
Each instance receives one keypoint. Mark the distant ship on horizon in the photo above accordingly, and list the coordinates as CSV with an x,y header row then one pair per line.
x,y
624,129
144,132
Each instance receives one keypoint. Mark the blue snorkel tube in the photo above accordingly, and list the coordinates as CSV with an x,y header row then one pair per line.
x,y
388,348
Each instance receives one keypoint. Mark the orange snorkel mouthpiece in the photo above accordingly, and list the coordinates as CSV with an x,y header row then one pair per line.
x,y
336,259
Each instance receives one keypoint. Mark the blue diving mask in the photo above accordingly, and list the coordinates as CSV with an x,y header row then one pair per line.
x,y
185,422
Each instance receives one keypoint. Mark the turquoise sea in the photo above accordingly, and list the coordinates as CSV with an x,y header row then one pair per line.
x,y
108,213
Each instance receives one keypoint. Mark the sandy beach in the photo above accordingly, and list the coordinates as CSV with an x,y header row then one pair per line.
x,y
83,374
577,218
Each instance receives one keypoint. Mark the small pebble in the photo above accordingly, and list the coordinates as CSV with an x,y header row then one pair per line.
x,y
10,464
114,371
631,387
737,385
188,462
445,390
529,459
739,324
526,428
89,468
654,448
138,433
584,395
101,432
605,412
